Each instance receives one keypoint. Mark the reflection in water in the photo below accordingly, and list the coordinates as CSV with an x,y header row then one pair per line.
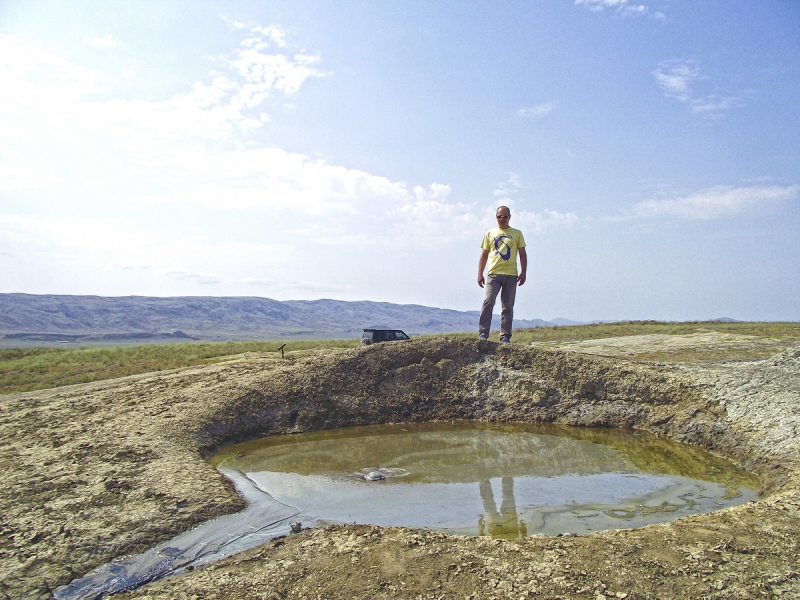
x,y
505,523
448,477
486,479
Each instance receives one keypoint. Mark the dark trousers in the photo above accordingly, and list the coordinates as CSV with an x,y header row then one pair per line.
x,y
506,286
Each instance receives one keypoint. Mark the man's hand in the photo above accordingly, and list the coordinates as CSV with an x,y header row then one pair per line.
x,y
484,257
523,263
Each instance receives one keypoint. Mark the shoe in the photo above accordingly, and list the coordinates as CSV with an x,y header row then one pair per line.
x,y
483,336
505,340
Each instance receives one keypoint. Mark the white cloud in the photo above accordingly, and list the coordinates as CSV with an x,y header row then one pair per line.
x,y
275,34
52,95
70,234
107,244
101,41
59,135
28,74
256,281
100,245
233,23
313,286
712,203
266,73
537,111
509,187
201,278
676,77
622,7
421,218
188,148
285,181
415,218
546,220
714,106
67,141
531,222
435,192
184,149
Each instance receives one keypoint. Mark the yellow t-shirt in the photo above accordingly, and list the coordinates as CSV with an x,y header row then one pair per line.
x,y
502,245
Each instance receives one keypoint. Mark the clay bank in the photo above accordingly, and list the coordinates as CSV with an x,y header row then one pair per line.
x,y
98,471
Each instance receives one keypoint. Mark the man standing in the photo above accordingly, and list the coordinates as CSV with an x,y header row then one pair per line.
x,y
499,248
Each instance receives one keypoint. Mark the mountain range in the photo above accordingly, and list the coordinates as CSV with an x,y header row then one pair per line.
x,y
26,318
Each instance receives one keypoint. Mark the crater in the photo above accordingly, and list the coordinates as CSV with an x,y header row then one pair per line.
x,y
60,449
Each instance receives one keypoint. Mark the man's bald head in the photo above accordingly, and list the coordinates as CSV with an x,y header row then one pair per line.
x,y
503,215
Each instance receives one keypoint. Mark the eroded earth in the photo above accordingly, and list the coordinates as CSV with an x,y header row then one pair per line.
x,y
97,471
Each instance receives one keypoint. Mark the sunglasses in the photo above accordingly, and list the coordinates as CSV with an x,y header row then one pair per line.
x,y
502,216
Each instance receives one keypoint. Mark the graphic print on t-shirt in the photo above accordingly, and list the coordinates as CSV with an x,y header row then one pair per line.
x,y
500,243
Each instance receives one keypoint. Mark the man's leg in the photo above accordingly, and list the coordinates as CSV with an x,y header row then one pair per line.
x,y
492,289
507,297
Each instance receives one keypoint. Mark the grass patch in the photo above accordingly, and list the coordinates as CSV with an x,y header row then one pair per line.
x,y
26,369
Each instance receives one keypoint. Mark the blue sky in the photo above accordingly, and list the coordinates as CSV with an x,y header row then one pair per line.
x,y
357,150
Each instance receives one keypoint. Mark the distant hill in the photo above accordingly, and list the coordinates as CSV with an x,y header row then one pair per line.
x,y
564,322
25,318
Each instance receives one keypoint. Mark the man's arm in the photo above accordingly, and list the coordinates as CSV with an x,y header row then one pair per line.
x,y
481,266
523,263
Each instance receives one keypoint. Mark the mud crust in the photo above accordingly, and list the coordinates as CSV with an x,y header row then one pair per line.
x,y
96,471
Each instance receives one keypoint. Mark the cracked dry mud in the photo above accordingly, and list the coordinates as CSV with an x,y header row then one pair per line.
x,y
96,471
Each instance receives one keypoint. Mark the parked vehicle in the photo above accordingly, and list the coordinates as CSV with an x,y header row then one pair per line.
x,y
373,335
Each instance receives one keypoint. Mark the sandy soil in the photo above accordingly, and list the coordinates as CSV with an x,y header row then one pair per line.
x,y
701,346
96,471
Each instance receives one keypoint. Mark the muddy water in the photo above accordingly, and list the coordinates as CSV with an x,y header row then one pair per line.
x,y
468,478
505,480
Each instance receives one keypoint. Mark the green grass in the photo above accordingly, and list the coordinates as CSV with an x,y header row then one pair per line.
x,y
26,369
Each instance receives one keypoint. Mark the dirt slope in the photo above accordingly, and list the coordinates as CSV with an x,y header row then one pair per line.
x,y
95,471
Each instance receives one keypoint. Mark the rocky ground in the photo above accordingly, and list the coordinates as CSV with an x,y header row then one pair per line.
x,y
96,471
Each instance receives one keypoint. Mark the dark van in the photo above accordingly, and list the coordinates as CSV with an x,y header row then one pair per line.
x,y
373,335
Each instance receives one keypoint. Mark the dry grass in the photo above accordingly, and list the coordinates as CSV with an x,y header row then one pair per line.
x,y
784,331
734,341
